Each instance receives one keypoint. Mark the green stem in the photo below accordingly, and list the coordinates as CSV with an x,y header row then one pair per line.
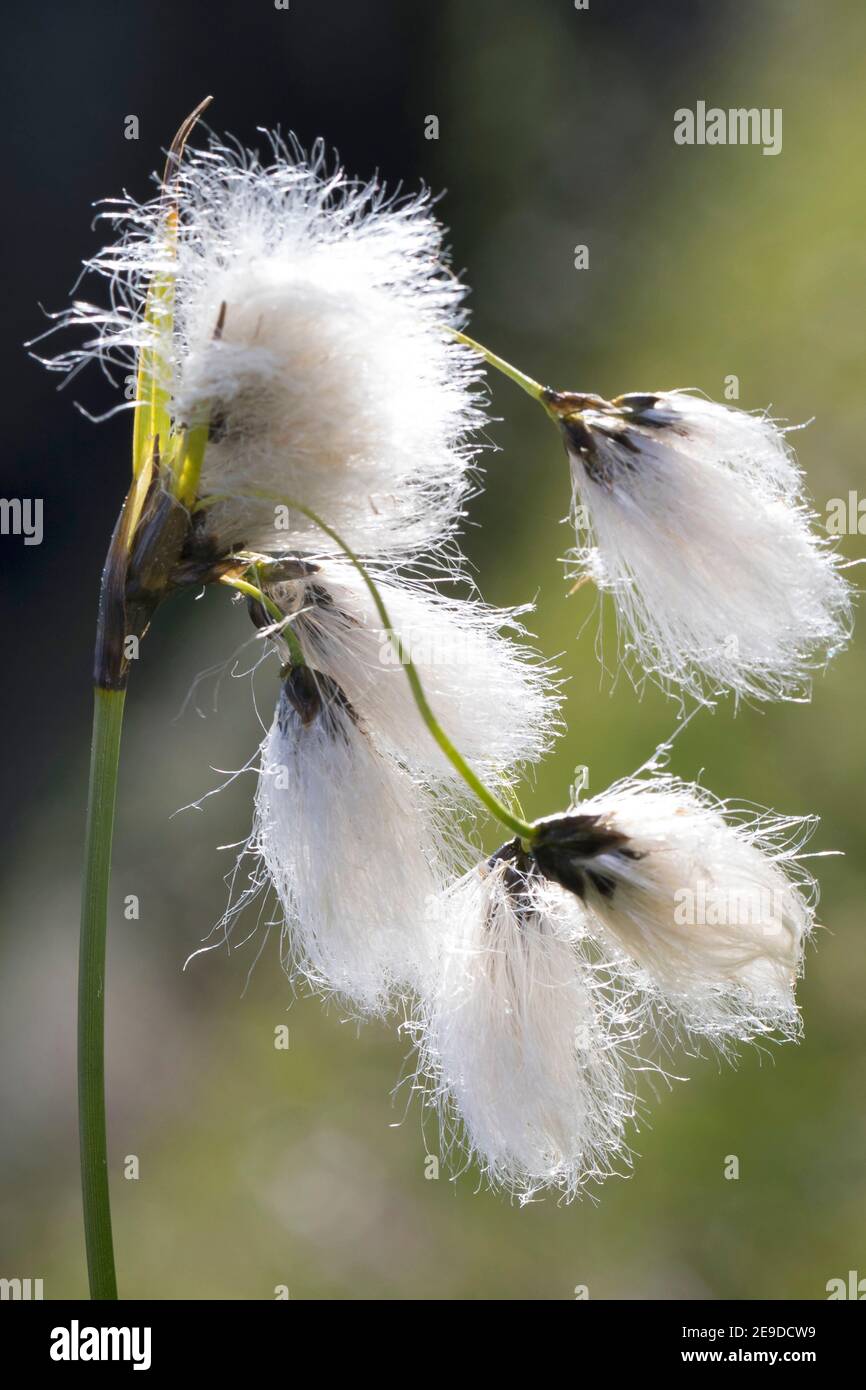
x,y
454,756
531,387
102,792
243,586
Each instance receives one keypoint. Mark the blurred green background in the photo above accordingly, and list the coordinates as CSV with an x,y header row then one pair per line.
x,y
304,1167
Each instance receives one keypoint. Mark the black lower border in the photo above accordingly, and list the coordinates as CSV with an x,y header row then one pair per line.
x,y
66,1339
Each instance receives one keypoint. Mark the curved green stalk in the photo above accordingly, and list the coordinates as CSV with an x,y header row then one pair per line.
x,y
502,813
102,791
243,586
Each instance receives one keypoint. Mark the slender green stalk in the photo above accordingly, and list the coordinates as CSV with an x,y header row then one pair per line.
x,y
145,545
243,586
531,387
454,756
104,758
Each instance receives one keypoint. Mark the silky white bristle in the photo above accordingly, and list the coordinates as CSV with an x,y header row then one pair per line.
x,y
713,905
495,700
523,1043
312,329
354,850
694,520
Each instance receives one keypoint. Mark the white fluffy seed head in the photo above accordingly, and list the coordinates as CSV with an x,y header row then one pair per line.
x,y
713,906
494,699
692,515
333,378
353,848
522,1041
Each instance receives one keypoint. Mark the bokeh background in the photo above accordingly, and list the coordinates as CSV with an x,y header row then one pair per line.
x,y
303,1167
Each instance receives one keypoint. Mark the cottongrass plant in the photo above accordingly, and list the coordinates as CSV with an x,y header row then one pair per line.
x,y
305,425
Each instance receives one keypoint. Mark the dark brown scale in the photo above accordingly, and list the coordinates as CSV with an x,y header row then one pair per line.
x,y
565,403
317,596
259,615
565,847
518,870
202,561
320,597
217,426
287,568
313,695
582,439
638,404
613,422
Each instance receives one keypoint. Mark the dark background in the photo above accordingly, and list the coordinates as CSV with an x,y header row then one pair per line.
x,y
258,1167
